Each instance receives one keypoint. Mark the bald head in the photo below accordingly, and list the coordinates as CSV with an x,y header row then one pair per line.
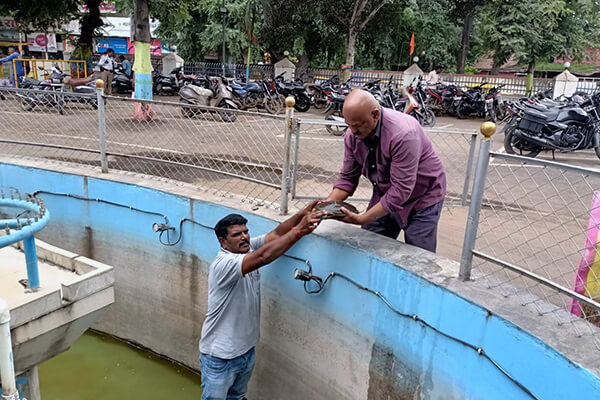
x,y
361,113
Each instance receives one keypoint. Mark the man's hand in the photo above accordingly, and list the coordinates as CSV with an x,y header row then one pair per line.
x,y
307,210
352,218
309,222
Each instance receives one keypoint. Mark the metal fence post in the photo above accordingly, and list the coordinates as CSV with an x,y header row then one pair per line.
x,y
296,153
289,115
465,193
466,260
101,124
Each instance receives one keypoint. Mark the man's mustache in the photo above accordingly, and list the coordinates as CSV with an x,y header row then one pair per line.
x,y
244,242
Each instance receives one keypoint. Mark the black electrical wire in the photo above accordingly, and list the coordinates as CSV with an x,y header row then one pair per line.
x,y
416,318
112,203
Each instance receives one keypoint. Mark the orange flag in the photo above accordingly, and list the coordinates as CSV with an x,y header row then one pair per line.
x,y
412,43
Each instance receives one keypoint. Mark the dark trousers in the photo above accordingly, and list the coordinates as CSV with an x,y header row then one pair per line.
x,y
420,231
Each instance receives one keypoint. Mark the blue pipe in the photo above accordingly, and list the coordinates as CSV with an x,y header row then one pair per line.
x,y
33,275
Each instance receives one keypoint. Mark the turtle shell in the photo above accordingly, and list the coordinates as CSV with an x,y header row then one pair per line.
x,y
334,208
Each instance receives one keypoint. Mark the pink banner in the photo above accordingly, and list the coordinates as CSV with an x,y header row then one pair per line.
x,y
586,277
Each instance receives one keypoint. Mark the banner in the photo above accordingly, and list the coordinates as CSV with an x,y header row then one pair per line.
x,y
155,49
412,44
41,42
587,277
119,45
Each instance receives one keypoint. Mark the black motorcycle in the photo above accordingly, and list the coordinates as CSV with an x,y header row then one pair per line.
x,y
295,89
472,102
565,127
165,84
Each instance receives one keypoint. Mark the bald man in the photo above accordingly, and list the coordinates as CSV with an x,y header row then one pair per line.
x,y
409,184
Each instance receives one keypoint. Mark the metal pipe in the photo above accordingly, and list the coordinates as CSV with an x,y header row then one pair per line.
x,y
466,260
33,275
101,125
289,115
465,193
7,369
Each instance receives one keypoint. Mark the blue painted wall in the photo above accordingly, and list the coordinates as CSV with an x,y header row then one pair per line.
x,y
161,297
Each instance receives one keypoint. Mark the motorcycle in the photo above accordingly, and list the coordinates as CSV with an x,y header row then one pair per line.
x,y
165,84
121,82
564,126
495,104
333,112
317,92
219,95
295,89
43,93
473,102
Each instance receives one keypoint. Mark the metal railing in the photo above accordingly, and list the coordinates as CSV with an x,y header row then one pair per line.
x,y
236,71
532,232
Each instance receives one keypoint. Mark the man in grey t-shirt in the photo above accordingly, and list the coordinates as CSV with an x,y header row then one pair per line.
x,y
232,325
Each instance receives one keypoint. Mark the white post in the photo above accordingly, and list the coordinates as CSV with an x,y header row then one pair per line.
x,y
7,369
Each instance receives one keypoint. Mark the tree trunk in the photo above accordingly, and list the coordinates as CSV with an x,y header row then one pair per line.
x,y
461,58
302,66
142,65
352,36
529,79
89,23
142,21
495,66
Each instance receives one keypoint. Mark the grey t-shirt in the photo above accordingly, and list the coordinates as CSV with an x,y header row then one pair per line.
x,y
232,323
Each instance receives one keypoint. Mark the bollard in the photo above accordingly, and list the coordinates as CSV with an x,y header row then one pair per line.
x,y
466,260
101,124
289,115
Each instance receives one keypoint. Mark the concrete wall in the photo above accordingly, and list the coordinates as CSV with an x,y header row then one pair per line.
x,y
344,343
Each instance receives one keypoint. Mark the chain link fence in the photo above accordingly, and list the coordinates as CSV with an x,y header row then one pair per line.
x,y
49,124
224,151
319,153
536,237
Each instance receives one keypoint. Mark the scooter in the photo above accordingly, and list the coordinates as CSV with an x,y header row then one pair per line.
x,y
121,82
219,95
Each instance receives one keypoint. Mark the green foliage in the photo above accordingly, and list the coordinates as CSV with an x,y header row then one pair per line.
x,y
36,15
470,70
539,29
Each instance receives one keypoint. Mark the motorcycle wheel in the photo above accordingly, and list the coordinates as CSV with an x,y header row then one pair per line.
x,y
302,102
227,116
250,101
501,112
186,111
462,110
159,88
428,117
272,105
492,113
318,102
334,129
597,150
514,145
26,105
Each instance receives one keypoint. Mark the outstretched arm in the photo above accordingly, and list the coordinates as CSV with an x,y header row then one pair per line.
x,y
287,225
275,248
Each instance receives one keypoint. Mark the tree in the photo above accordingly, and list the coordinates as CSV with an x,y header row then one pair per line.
x,y
464,12
539,30
34,15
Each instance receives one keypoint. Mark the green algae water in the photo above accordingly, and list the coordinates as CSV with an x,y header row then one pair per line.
x,y
101,367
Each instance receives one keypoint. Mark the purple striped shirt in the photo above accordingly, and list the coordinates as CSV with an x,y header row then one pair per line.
x,y
410,175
